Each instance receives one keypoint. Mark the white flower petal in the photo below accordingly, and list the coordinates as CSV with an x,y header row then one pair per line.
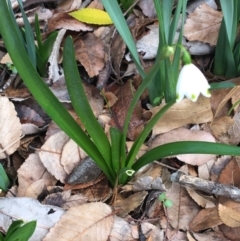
x,y
191,82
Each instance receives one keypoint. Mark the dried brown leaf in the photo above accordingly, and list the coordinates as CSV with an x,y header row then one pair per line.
x,y
90,53
184,209
183,134
229,216
220,127
69,5
230,174
121,230
205,219
224,96
125,95
126,205
60,155
148,8
65,200
183,113
63,20
10,128
91,221
203,25
200,199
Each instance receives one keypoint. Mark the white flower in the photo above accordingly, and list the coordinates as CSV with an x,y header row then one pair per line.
x,y
191,82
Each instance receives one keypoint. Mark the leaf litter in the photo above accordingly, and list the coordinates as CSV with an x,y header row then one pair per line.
x,y
87,208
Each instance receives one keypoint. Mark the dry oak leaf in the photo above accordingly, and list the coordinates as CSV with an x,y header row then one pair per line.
x,y
60,155
10,128
65,21
32,171
121,230
229,216
183,113
184,209
90,221
207,218
90,53
203,25
183,134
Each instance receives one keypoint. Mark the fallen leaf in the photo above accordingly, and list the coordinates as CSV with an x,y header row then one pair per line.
x,y
81,173
65,200
205,219
234,130
60,155
230,173
90,53
90,221
121,230
28,209
183,113
126,205
125,94
152,232
92,16
148,8
204,171
229,216
221,99
220,128
69,5
205,202
183,134
184,209
31,171
203,25
65,21
10,128
209,235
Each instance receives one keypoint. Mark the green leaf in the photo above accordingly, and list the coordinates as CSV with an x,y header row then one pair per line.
x,y
92,16
116,137
222,85
38,33
168,203
162,197
40,90
13,227
29,36
48,45
143,135
24,232
81,105
119,21
4,181
185,147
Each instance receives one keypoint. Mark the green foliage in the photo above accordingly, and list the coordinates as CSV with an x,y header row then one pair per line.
x,y
112,157
126,4
43,49
4,180
11,67
227,53
18,231
166,202
38,54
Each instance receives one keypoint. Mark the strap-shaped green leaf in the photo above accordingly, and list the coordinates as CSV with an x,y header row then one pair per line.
x,y
185,147
142,137
119,21
80,102
24,232
40,90
116,137
4,180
